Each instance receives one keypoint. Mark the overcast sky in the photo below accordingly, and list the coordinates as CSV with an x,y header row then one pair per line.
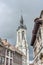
x,y
10,13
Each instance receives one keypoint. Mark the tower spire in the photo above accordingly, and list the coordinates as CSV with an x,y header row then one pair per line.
x,y
21,20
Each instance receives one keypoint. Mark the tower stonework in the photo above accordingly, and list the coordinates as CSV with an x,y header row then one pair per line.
x,y
22,42
37,40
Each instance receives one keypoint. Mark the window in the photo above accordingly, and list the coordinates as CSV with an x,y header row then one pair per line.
x,y
11,53
7,61
7,52
10,61
3,59
36,60
0,60
38,38
40,33
22,34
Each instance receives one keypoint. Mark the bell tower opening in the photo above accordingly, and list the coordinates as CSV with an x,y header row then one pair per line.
x,y
21,33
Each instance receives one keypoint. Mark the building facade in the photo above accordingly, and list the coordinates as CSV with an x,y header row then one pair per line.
x,y
37,40
9,55
18,54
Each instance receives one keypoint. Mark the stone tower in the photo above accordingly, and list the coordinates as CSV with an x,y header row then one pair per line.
x,y
37,40
22,41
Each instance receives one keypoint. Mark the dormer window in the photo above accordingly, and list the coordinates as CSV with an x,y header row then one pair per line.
x,y
40,33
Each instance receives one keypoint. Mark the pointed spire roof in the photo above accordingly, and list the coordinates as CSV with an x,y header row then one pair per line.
x,y
21,20
21,26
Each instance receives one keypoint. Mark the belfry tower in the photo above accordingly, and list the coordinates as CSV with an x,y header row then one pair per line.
x,y
21,38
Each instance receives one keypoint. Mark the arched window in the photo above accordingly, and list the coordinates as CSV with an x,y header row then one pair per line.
x,y
22,34
19,36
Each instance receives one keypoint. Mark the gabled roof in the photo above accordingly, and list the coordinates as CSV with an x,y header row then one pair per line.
x,y
9,46
38,22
